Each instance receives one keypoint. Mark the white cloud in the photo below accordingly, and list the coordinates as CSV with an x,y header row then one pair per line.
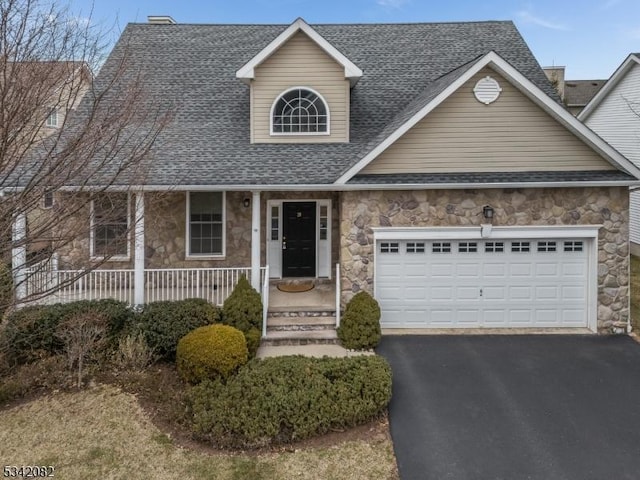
x,y
528,17
392,3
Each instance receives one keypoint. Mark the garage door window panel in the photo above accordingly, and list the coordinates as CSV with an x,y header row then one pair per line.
x,y
520,247
441,247
415,247
546,246
573,246
389,247
494,247
467,247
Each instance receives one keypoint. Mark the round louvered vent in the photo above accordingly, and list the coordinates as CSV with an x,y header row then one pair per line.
x,y
487,90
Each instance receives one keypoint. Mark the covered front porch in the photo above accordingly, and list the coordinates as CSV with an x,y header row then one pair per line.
x,y
179,246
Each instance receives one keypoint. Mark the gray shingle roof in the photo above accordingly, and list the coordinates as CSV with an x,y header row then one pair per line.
x,y
579,92
192,68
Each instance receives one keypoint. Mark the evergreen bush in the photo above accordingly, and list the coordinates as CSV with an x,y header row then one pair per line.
x,y
284,399
360,325
243,310
164,323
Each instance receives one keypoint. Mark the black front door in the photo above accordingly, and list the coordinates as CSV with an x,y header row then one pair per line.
x,y
299,239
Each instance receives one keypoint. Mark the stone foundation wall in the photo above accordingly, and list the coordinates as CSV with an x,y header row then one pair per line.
x,y
608,206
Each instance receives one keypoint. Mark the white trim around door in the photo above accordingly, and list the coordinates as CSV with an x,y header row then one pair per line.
x,y
323,235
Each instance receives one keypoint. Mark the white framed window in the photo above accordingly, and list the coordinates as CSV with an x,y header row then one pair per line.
x,y
47,199
52,119
300,111
110,215
205,224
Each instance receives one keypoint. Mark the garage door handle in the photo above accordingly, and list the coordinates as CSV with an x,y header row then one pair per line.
x,y
480,292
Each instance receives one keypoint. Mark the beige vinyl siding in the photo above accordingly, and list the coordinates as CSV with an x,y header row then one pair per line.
x,y
464,135
299,63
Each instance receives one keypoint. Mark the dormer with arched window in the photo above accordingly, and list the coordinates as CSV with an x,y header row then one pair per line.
x,y
300,89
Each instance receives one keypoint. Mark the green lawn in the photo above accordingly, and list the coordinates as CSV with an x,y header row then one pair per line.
x,y
104,433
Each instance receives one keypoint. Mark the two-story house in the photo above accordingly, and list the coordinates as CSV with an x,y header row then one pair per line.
x,y
429,164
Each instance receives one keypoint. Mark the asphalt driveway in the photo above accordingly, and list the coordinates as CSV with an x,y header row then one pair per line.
x,y
547,407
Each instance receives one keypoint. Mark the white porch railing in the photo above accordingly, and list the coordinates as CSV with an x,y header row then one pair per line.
x,y
265,301
338,295
212,284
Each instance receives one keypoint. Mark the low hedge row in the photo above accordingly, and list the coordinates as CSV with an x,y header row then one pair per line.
x,y
163,324
31,333
283,399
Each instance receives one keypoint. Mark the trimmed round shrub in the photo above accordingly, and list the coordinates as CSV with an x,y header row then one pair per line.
x,y
163,324
30,332
360,325
243,308
285,399
214,351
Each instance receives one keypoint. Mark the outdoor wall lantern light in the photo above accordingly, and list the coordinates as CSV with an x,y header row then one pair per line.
x,y
487,211
246,202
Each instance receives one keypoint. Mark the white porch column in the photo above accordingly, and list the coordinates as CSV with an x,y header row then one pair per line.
x,y
19,256
138,255
255,241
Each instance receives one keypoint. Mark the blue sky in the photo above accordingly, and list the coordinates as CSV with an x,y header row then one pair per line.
x,y
590,37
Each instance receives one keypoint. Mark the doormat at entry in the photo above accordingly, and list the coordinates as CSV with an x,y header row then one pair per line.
x,y
291,287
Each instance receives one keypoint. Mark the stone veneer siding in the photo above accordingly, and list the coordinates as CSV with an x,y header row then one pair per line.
x,y
165,231
608,206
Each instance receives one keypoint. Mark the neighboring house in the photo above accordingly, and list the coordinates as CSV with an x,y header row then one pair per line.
x,y
614,114
429,164
575,94
37,96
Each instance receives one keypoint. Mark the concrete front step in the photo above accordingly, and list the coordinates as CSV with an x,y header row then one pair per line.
x,y
314,337
300,323
301,312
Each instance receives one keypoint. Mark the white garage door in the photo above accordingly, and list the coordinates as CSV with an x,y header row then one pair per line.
x,y
480,283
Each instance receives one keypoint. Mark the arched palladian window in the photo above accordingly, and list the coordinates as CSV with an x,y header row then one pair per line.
x,y
300,110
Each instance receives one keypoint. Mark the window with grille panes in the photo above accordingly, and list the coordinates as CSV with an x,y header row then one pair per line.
x,y
415,247
573,246
110,225
494,247
206,223
441,247
389,247
300,111
467,247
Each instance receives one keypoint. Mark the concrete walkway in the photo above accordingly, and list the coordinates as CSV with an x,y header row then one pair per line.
x,y
309,351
